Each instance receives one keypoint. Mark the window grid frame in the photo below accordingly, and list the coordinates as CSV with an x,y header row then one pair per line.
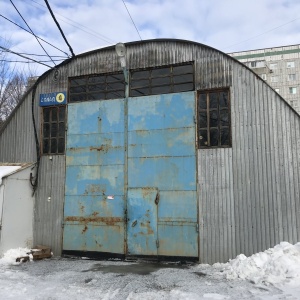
x,y
49,136
88,91
133,87
208,127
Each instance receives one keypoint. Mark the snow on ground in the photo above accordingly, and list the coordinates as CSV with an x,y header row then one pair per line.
x,y
272,274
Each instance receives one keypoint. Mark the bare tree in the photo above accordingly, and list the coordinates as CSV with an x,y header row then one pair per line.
x,y
13,84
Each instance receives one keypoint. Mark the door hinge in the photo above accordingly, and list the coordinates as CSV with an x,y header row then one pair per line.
x,y
197,227
157,243
157,198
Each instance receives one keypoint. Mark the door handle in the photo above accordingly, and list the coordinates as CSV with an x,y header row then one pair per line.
x,y
134,223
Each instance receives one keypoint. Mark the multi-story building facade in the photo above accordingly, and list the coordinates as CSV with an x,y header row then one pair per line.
x,y
279,67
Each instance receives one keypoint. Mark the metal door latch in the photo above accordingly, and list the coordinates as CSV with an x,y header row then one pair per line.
x,y
134,223
157,199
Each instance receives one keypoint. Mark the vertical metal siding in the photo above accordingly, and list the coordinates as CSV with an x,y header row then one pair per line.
x,y
248,200
49,214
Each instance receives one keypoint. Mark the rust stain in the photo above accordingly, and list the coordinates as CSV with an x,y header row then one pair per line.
x,y
94,219
104,148
84,229
82,208
95,213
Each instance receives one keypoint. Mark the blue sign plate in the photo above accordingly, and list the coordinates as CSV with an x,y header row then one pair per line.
x,y
57,98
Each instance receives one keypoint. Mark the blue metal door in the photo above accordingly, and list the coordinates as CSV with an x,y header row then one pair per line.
x,y
94,197
157,176
142,221
162,158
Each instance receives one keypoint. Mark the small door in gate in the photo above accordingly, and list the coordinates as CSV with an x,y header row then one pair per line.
x,y
142,221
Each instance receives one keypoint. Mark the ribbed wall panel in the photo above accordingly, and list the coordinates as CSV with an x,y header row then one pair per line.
x,y
216,205
248,194
49,212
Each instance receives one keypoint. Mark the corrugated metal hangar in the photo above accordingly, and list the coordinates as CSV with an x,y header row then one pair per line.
x,y
158,148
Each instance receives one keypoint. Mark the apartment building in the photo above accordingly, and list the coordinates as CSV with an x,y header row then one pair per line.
x,y
279,67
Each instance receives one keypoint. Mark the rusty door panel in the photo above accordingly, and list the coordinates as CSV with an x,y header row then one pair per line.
x,y
95,149
142,221
98,238
161,112
94,194
162,155
166,173
163,142
178,239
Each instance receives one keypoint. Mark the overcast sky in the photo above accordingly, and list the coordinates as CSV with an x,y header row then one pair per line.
x,y
228,25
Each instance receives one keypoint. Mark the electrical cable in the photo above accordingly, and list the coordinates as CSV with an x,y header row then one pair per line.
x,y
57,24
28,62
261,34
31,30
34,35
95,34
132,20
23,56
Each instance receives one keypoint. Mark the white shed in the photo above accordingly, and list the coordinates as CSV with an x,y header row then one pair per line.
x,y
16,207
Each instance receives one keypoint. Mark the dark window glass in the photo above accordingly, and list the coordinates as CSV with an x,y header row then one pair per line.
x,y
61,113
214,132
161,90
223,99
202,101
183,78
214,137
140,92
171,79
183,69
203,119
78,81
160,72
183,87
101,87
97,87
76,98
140,74
61,145
53,131
45,146
213,100
160,81
224,117
78,89
53,146
46,130
225,136
213,118
61,129
46,114
96,79
96,96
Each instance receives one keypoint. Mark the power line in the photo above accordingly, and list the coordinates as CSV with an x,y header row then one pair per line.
x,y
57,24
132,20
31,30
261,34
34,35
95,34
23,56
27,62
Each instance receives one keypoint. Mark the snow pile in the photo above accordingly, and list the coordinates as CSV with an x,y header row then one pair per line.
x,y
5,170
278,265
9,257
